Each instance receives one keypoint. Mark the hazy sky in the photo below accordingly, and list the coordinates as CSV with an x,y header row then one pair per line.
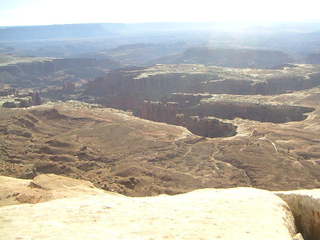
x,y
41,12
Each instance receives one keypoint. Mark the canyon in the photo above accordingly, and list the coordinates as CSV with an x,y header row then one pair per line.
x,y
122,153
201,98
172,135
147,134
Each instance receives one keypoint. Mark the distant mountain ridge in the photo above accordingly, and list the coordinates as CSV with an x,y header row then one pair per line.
x,y
72,31
227,57
89,30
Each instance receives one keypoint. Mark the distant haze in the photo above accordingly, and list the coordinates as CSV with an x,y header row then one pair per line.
x,y
45,12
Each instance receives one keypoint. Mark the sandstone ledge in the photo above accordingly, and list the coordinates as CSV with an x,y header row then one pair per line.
x,y
238,213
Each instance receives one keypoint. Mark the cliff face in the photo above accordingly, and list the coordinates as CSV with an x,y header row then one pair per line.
x,y
200,117
158,85
270,86
159,82
160,112
263,112
278,85
123,82
173,113
209,127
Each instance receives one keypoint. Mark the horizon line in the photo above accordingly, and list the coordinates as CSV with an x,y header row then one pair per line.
x,y
172,22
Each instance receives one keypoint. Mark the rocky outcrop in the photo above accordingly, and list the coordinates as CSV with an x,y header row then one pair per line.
x,y
305,205
230,214
8,91
23,100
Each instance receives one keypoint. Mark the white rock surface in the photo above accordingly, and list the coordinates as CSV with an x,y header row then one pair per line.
x,y
233,214
298,236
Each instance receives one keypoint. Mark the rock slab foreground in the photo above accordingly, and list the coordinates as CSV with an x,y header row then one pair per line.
x,y
63,208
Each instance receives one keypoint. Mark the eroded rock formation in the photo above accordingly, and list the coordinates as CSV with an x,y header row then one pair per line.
x,y
23,100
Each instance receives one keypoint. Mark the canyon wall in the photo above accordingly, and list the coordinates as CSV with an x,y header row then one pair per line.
x,y
160,81
270,86
172,113
204,117
263,112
